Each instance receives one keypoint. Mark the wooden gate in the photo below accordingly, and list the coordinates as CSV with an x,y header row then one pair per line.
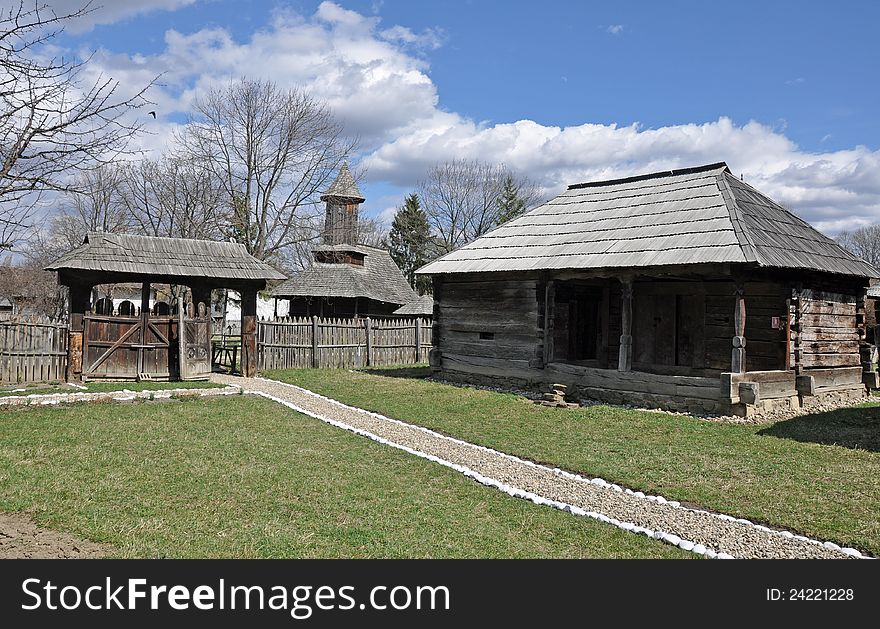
x,y
129,348
195,342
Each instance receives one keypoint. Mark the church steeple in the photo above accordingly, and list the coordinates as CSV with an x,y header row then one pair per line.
x,y
343,203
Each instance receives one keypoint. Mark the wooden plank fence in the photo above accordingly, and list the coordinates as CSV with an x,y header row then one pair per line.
x,y
32,350
301,342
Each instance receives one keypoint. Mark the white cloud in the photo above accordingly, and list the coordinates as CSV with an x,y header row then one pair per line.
x,y
615,29
371,77
795,82
834,190
110,11
378,84
428,39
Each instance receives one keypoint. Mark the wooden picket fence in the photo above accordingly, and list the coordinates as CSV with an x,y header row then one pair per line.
x,y
32,350
300,342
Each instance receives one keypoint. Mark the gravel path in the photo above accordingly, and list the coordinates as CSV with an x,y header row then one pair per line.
x,y
699,531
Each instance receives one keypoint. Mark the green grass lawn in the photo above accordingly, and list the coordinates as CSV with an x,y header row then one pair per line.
x,y
816,474
95,387
245,477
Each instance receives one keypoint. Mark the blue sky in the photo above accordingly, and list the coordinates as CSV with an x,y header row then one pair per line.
x,y
785,92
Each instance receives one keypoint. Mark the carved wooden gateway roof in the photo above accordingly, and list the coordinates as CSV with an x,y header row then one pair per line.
x,y
680,217
130,256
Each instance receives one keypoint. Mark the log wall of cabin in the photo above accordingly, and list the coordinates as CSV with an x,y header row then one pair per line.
x,y
492,316
826,330
494,325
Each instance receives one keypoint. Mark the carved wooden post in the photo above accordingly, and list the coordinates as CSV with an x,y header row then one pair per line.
x,y
624,362
797,307
80,296
249,332
549,318
182,362
738,354
145,324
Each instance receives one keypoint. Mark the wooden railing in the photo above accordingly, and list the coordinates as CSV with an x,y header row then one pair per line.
x,y
301,342
32,350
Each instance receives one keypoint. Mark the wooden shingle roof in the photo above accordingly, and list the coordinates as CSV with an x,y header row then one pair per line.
x,y
422,306
166,257
344,186
379,278
689,216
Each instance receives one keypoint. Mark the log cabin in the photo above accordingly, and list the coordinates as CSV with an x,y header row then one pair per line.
x,y
686,290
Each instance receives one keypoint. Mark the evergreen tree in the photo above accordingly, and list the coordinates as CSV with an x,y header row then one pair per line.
x,y
509,204
410,242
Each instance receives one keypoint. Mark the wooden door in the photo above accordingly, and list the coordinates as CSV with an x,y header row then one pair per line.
x,y
127,348
195,342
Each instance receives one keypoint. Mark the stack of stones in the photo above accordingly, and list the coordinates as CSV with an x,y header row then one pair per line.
x,y
556,397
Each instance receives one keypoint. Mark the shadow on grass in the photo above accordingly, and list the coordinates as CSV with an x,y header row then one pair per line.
x,y
857,428
417,372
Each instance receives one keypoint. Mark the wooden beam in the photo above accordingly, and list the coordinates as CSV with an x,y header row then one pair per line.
x,y
79,298
249,333
788,334
145,322
797,298
624,362
181,340
738,354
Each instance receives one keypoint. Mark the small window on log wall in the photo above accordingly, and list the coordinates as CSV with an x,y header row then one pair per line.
x,y
487,336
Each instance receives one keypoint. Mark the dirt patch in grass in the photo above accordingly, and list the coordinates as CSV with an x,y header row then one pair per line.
x,y
21,538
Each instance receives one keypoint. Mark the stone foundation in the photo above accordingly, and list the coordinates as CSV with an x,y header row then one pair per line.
x,y
836,396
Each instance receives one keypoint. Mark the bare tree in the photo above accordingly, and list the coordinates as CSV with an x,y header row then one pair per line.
x,y
273,152
863,242
171,197
95,203
372,233
32,290
461,199
53,122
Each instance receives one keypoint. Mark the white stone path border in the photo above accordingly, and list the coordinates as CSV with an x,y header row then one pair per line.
x,y
668,538
123,395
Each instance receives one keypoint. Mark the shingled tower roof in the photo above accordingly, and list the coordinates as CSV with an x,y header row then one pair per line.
x,y
344,187
695,215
